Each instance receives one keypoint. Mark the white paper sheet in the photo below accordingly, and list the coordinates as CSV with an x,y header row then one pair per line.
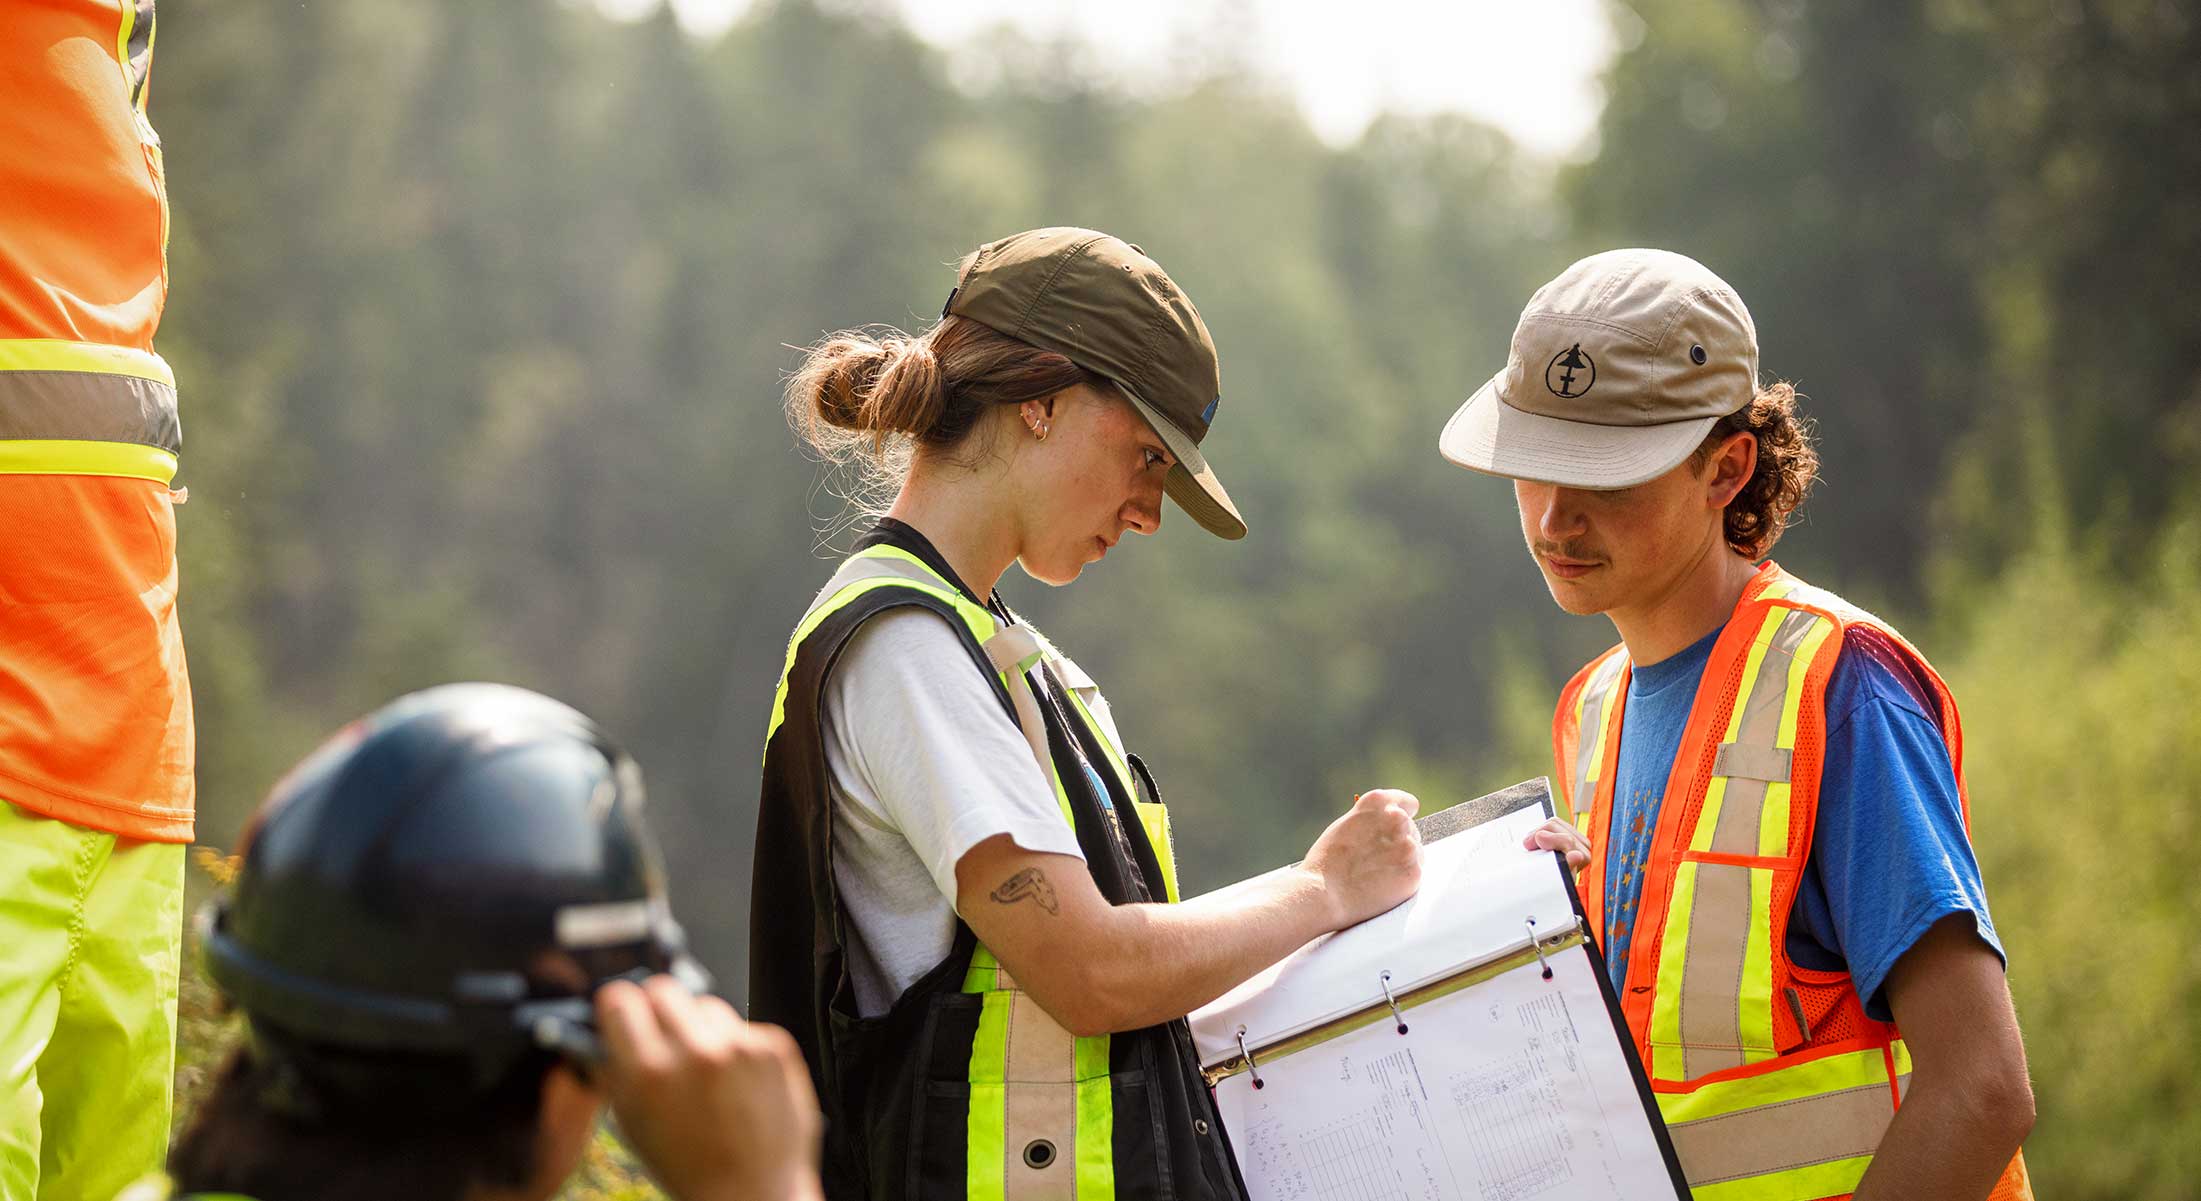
x,y
1513,1090
1478,889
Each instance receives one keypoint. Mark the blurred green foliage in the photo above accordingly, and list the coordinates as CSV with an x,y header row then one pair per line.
x,y
481,310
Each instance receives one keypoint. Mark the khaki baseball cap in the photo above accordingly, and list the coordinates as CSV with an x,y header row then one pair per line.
x,y
1101,303
1619,368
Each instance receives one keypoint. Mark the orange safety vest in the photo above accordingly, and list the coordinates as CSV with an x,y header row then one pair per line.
x,y
1773,1082
95,706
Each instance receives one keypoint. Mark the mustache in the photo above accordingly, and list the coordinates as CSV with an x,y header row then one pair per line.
x,y
1580,552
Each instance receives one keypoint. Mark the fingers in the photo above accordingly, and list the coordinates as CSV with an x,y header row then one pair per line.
x,y
711,1104
696,1024
627,1021
1389,798
1558,834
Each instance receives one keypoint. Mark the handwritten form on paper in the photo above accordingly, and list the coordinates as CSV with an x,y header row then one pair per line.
x,y
1514,1088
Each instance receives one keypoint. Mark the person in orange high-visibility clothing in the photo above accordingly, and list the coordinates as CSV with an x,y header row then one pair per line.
x,y
95,709
1771,780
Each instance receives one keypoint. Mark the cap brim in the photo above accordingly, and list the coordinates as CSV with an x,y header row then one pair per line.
x,y
1491,436
1192,483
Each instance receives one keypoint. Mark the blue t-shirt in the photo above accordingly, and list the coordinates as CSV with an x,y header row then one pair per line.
x,y
1889,855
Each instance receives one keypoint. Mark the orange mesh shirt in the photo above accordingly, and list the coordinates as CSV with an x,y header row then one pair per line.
x,y
95,704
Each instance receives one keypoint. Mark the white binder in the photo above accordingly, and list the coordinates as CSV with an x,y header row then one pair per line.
x,y
1465,1046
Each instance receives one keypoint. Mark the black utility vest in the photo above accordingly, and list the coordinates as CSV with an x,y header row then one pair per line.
x,y
930,1100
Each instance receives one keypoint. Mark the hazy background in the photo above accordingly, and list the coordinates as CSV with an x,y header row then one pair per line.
x,y
480,312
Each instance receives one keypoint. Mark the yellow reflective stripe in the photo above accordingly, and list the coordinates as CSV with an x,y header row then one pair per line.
x,y
60,456
816,617
53,354
1062,798
1754,991
1092,1056
987,1128
1096,1166
1665,1033
980,976
977,618
1154,819
152,35
1590,707
1578,772
1608,685
1773,821
1708,817
122,46
1826,1074
1100,735
1836,1178
1715,795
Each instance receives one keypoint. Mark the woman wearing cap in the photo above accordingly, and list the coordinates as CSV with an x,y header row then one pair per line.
x,y
962,885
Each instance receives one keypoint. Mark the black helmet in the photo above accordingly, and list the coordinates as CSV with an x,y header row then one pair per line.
x,y
447,878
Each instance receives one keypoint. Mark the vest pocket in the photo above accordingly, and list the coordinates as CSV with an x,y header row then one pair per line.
x,y
938,1151
1714,1008
937,1158
1135,1123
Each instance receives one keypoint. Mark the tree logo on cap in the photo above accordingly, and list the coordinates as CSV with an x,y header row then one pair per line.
x,y
1571,372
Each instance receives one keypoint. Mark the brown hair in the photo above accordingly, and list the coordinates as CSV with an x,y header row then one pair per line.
x,y
1787,465
866,397
413,1126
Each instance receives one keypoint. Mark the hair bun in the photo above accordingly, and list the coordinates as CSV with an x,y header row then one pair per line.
x,y
837,377
907,393
872,385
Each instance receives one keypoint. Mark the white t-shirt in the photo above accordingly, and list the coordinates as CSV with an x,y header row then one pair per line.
x,y
926,764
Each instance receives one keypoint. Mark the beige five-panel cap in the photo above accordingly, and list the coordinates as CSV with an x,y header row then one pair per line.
x,y
1618,369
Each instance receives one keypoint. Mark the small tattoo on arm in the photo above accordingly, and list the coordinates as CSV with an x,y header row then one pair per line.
x,y
1029,884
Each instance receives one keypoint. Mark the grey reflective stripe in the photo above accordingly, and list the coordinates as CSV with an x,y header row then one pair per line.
x,y
1756,738
89,406
858,568
1596,693
1711,977
1013,650
1784,1136
1767,763
139,52
1040,1105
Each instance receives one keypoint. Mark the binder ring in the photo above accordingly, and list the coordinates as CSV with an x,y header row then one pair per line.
x,y
1252,1069
1393,1002
1538,947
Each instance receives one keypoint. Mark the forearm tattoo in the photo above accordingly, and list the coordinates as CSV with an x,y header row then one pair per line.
x,y
1029,884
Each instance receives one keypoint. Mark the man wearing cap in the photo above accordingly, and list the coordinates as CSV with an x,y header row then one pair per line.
x,y
963,881
1770,779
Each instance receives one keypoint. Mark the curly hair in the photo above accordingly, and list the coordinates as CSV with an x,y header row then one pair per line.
x,y
1787,466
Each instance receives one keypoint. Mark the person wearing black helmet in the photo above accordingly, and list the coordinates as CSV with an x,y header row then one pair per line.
x,y
451,944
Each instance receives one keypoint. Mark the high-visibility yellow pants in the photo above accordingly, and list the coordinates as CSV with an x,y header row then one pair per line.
x,y
91,930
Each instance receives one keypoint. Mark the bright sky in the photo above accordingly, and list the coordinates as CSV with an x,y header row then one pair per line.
x,y
1529,67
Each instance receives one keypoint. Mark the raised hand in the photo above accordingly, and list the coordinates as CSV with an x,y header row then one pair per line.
x,y
1370,859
